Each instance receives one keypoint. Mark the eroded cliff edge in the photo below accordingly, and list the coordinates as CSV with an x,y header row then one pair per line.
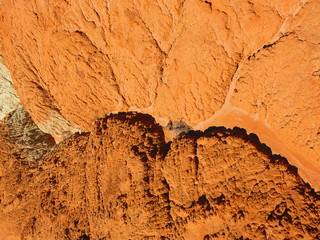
x,y
123,181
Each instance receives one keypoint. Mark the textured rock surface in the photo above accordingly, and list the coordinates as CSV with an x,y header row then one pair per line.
x,y
9,100
123,181
250,64
191,64
27,141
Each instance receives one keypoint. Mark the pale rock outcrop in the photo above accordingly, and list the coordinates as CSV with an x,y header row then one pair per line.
x,y
9,100
28,142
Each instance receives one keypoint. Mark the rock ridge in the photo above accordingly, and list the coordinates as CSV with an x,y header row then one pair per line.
x,y
124,181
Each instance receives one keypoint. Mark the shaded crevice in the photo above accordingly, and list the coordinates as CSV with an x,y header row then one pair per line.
x,y
266,46
209,4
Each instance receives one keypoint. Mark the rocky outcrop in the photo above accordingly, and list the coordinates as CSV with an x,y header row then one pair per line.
x,y
27,142
249,64
9,100
124,181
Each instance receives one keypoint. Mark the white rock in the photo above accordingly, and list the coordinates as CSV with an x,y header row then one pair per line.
x,y
9,100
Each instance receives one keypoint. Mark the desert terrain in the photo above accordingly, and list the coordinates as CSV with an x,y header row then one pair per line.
x,y
178,119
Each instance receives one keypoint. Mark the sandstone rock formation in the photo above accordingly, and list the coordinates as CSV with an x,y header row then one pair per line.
x,y
140,119
123,181
200,62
